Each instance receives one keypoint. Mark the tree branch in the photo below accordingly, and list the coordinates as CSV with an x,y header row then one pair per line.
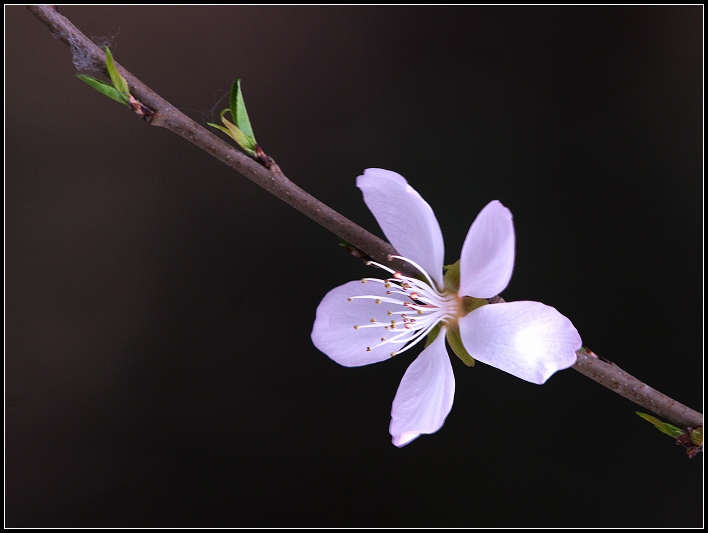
x,y
275,182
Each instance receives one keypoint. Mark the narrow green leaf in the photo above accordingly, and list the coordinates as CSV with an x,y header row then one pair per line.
x,y
222,128
104,88
118,81
670,430
237,135
238,111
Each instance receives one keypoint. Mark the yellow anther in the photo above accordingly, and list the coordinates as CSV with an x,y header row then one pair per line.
x,y
377,301
372,320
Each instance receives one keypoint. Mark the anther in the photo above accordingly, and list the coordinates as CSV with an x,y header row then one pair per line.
x,y
372,320
377,301
356,327
368,349
349,299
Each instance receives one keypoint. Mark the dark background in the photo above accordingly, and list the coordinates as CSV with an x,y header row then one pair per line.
x,y
159,369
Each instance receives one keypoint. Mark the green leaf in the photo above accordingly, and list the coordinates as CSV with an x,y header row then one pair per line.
x,y
222,128
118,81
670,430
104,88
236,134
697,436
238,111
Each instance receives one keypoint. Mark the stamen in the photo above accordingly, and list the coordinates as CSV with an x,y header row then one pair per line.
x,y
407,293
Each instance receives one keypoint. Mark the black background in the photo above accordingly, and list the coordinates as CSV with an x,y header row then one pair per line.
x,y
159,369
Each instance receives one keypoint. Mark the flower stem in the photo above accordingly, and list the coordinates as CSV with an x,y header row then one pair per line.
x,y
274,181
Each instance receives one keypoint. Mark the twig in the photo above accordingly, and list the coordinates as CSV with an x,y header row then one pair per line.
x,y
364,243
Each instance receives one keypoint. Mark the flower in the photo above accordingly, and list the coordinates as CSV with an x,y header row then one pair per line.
x,y
370,320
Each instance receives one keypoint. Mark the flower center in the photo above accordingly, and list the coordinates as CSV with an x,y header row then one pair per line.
x,y
415,307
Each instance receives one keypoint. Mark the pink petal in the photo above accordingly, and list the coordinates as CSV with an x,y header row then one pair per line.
x,y
425,395
487,258
405,218
334,332
527,339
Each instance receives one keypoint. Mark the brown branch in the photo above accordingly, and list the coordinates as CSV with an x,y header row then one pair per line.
x,y
616,379
272,180
365,244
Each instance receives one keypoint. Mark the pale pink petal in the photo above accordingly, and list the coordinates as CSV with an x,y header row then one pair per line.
x,y
425,395
405,218
487,258
334,332
527,339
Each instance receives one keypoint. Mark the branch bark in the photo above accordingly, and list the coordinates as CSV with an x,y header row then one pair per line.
x,y
275,182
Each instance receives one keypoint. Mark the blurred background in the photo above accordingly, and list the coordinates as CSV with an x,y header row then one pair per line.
x,y
159,368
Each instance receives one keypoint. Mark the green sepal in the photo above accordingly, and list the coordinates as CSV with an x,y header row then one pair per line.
x,y
455,342
238,111
670,430
118,81
451,279
104,88
433,334
469,304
